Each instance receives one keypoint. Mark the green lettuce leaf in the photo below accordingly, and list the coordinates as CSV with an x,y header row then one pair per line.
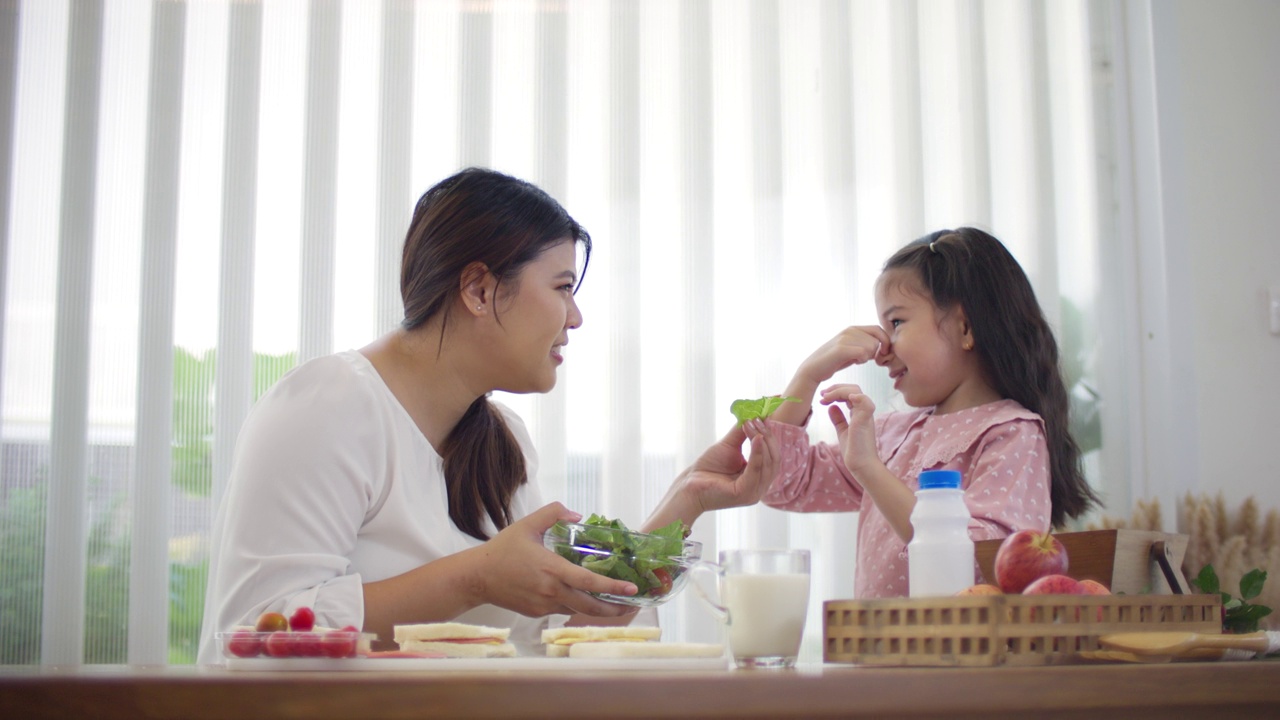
x,y
763,407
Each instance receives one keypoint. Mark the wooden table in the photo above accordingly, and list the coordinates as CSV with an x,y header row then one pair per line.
x,y
1243,689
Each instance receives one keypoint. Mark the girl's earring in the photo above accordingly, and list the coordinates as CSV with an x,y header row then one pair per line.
x,y
480,307
967,346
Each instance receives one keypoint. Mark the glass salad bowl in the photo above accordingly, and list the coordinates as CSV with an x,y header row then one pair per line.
x,y
657,563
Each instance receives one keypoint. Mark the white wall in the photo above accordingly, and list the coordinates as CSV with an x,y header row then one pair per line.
x,y
1217,106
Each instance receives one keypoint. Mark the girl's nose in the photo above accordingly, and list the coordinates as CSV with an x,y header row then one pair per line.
x,y
885,355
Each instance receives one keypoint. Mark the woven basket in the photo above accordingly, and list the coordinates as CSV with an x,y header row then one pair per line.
x,y
987,630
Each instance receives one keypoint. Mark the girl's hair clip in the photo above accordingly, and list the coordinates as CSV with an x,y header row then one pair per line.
x,y
933,249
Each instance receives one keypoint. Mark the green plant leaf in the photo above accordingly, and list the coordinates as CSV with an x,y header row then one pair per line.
x,y
1238,615
1253,612
1251,583
1207,580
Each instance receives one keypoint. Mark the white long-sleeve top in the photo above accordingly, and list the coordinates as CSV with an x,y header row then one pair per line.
x,y
333,486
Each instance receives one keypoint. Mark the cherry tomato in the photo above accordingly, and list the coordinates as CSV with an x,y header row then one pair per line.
x,y
664,577
245,644
308,644
339,644
302,620
279,644
271,622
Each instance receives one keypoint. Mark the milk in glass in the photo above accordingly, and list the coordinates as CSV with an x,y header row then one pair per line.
x,y
766,614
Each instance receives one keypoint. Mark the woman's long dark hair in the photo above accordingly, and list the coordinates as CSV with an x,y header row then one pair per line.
x,y
970,269
478,215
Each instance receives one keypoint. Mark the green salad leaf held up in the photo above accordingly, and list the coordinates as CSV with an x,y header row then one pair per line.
x,y
651,561
763,407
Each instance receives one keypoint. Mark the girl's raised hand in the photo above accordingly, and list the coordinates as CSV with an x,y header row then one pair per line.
x,y
857,435
852,346
515,571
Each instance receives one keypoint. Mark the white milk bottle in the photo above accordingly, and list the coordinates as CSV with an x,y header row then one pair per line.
x,y
940,554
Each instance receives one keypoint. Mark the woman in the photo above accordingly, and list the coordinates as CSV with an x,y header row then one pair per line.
x,y
381,486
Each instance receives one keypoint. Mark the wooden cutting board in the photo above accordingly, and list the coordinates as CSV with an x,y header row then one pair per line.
x,y
520,664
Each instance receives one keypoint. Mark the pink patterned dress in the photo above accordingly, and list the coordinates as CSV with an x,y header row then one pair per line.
x,y
999,449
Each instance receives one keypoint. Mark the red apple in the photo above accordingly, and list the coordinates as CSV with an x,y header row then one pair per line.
x,y
981,589
1053,585
1027,555
1089,586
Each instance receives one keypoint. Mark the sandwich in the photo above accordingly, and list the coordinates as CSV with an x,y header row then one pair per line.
x,y
670,650
455,640
560,641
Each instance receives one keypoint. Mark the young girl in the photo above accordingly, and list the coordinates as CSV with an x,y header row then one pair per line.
x,y
966,344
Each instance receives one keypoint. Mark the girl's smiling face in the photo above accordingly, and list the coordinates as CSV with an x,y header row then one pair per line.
x,y
535,321
930,356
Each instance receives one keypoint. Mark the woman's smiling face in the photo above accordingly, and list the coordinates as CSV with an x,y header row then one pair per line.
x,y
926,360
536,318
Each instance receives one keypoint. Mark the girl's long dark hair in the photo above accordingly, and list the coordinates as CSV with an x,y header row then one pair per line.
x,y
478,215
970,269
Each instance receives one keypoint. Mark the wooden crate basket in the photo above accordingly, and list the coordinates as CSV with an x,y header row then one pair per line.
x,y
987,630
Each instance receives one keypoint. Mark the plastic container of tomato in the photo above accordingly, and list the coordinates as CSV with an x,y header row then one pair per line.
x,y
248,643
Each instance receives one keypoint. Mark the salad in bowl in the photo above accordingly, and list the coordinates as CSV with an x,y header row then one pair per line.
x,y
656,563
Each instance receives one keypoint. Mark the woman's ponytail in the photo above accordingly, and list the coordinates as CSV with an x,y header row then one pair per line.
x,y
482,447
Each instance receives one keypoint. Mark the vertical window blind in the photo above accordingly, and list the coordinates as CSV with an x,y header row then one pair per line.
x,y
197,195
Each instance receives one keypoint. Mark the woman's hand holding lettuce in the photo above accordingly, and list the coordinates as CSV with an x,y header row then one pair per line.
x,y
722,477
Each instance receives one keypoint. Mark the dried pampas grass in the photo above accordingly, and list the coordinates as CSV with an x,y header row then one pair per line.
x,y
1234,543
1146,516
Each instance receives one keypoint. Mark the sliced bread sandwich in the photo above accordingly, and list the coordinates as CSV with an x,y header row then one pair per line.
x,y
559,641
646,650
455,640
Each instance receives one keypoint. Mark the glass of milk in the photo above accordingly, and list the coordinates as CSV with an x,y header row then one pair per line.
x,y
764,598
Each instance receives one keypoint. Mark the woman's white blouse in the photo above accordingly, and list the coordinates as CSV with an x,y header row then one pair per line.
x,y
332,486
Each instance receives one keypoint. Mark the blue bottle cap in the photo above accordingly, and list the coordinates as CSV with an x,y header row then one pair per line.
x,y
940,480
